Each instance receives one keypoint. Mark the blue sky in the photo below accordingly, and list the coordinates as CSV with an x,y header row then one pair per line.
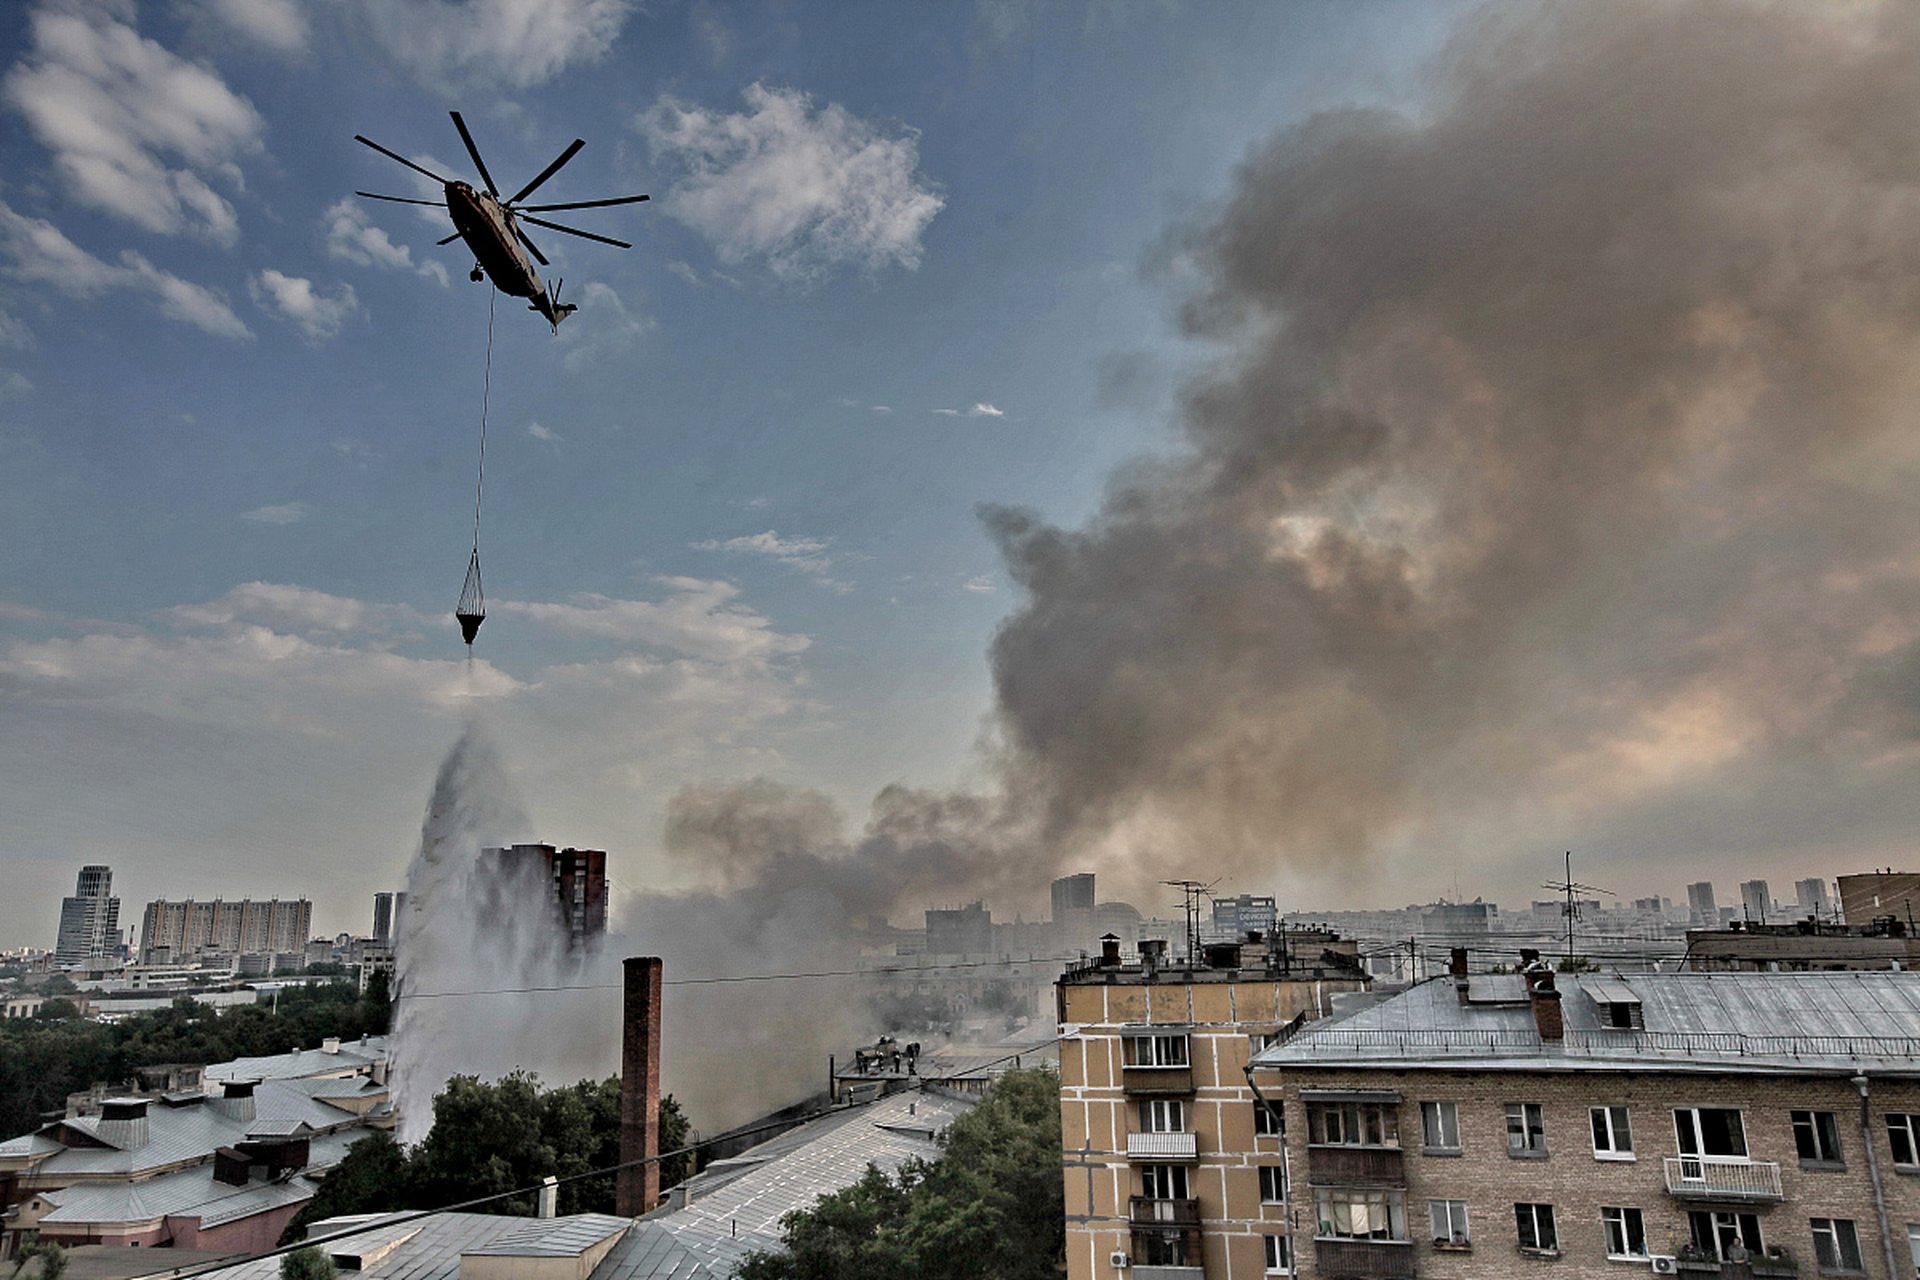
x,y
899,261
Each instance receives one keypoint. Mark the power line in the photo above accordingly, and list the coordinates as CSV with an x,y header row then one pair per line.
x,y
887,971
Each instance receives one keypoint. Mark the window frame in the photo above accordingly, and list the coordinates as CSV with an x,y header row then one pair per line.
x,y
1353,1118
1267,1122
1616,1122
1462,1236
1392,1202
1532,1121
1903,1122
1273,1183
1155,1113
1694,1134
1275,1257
1622,1224
1159,1049
1819,1130
1171,1174
1528,1218
1441,1114
1833,1239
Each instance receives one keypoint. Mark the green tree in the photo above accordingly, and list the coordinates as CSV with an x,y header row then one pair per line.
x,y
991,1206
307,1264
52,1259
371,1178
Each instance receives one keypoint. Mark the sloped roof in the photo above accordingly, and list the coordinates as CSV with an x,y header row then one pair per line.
x,y
1821,1023
567,1237
175,1134
354,1055
192,1192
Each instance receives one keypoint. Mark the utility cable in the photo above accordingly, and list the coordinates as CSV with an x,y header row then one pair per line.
x,y
486,391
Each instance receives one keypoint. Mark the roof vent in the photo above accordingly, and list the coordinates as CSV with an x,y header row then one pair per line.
x,y
123,1123
235,1101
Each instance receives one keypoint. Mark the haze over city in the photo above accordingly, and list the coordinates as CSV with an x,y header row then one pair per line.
x,y
953,487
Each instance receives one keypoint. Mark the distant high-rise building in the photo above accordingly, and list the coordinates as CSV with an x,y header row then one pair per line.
x,y
243,927
89,922
1701,906
1755,900
957,931
576,877
1812,896
383,919
1073,910
1863,898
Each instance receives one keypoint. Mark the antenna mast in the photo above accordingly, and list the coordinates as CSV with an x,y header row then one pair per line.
x,y
1570,886
1191,891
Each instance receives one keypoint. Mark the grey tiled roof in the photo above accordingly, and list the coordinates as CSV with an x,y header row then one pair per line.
x,y
1826,1022
191,1192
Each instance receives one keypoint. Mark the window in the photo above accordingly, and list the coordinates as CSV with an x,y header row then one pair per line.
x,y
1162,1248
1913,1246
1535,1223
1156,1051
1449,1221
1526,1129
1164,1182
1705,1131
1278,1264
1836,1245
1626,1233
1353,1124
1817,1136
1904,1133
1612,1135
1266,1119
1729,1237
1163,1115
1354,1213
1440,1122
1273,1184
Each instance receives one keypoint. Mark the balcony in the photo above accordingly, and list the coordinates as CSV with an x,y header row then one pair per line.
x,y
1356,1167
1723,1178
1157,1080
1364,1259
1147,1271
1163,1146
1146,1212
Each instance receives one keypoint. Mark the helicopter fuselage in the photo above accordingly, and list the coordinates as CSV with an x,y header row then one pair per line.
x,y
488,229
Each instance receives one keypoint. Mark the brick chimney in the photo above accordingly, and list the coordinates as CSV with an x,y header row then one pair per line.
x,y
1546,1005
637,1189
1457,966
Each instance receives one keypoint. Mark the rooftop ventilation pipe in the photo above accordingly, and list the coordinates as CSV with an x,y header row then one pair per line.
x,y
236,1099
123,1123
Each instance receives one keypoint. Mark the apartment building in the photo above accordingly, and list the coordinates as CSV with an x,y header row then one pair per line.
x,y
1534,1124
174,931
1165,1172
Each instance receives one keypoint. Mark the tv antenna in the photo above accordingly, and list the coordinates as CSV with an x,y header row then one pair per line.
x,y
1191,891
1570,887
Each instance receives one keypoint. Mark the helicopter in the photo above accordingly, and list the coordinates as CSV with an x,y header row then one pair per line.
x,y
491,225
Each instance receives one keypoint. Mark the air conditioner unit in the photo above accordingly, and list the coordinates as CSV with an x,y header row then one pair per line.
x,y
1117,1259
1662,1264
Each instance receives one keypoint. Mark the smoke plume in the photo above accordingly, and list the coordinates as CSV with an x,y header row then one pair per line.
x,y
1551,482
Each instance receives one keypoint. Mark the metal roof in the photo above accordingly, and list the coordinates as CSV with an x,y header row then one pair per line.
x,y
354,1055
567,1237
191,1192
1822,1023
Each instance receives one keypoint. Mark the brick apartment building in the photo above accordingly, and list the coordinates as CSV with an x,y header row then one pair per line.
x,y
1158,1124
1732,1124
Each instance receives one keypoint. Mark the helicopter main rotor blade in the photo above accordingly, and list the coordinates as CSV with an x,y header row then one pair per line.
x,y
474,151
579,204
532,248
574,231
548,172
395,155
432,204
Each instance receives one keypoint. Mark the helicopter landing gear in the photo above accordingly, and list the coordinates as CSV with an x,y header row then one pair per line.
x,y
476,275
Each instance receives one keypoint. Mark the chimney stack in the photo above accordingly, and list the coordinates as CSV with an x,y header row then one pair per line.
x,y
1457,966
637,1190
1546,1005
549,1197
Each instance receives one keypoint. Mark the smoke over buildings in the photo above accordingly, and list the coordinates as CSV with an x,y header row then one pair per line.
x,y
1552,481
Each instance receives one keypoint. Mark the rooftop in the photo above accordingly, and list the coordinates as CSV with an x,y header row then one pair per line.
x,y
1842,1022
351,1056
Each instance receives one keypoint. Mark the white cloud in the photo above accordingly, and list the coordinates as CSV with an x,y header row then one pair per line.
x,y
805,191
544,434
351,237
517,43
41,254
294,299
285,513
698,618
982,585
115,107
978,411
290,608
14,386
805,554
280,25
603,329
